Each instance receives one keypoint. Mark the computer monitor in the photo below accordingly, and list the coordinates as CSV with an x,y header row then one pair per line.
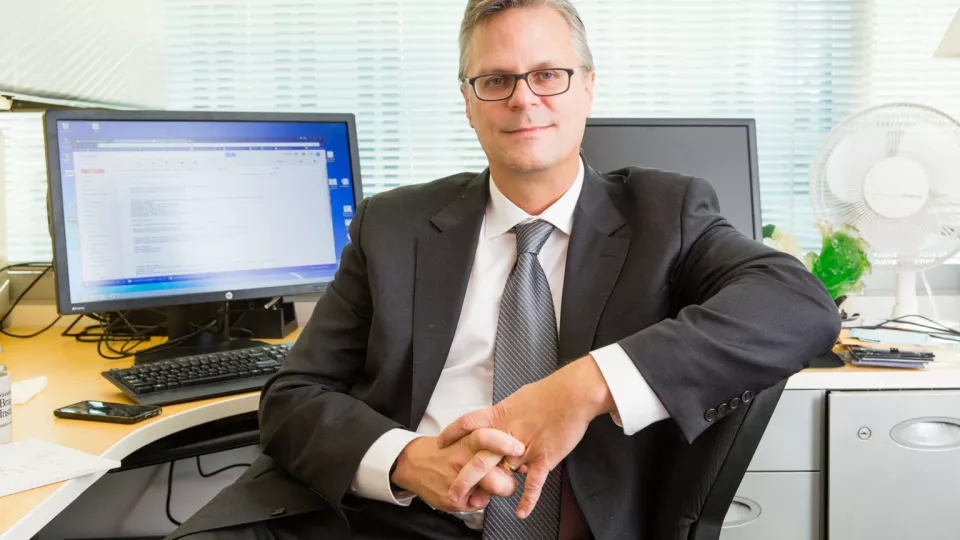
x,y
723,152
167,209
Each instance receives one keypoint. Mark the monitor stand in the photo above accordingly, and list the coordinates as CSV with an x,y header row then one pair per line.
x,y
178,327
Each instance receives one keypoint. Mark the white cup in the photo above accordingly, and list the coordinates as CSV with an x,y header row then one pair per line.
x,y
6,406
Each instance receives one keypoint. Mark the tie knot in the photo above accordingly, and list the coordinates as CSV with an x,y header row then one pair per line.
x,y
531,236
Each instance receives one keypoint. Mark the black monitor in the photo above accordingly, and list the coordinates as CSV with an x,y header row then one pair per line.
x,y
723,152
171,209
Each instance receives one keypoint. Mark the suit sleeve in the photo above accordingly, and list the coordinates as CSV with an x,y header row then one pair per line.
x,y
749,316
309,422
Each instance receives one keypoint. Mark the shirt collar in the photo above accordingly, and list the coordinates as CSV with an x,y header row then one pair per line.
x,y
502,215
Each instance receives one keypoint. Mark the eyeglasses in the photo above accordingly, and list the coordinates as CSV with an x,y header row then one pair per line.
x,y
542,82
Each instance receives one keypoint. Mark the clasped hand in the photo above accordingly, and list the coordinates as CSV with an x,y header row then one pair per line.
x,y
428,470
534,429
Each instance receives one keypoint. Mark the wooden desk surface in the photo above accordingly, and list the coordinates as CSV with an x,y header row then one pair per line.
x,y
943,373
73,374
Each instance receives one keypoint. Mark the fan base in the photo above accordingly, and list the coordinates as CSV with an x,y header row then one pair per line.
x,y
906,294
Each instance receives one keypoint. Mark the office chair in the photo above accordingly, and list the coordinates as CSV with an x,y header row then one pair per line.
x,y
704,478
707,473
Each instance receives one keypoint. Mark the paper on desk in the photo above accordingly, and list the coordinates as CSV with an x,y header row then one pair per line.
x,y
24,390
32,463
891,337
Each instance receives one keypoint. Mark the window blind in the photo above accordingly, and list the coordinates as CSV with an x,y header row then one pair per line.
x,y
798,67
104,51
25,185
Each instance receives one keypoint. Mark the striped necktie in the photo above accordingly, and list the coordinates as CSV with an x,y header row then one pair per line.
x,y
525,351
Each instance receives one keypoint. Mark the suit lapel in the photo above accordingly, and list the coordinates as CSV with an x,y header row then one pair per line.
x,y
598,247
444,258
596,253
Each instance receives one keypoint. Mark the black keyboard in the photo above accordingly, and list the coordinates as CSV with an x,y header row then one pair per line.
x,y
191,378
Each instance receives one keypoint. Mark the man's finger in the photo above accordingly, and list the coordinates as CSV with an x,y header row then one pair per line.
x,y
479,465
495,441
498,483
463,426
536,477
480,499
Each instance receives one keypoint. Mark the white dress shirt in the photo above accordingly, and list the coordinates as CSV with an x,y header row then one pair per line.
x,y
466,382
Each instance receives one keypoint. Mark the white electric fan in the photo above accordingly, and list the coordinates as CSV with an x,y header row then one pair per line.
x,y
893,172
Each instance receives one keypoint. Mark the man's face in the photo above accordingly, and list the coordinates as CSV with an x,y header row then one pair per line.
x,y
527,133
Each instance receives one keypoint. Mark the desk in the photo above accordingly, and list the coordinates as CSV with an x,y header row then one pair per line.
x,y
789,456
73,374
815,477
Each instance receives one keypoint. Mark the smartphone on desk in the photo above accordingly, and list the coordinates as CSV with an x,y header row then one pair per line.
x,y
105,411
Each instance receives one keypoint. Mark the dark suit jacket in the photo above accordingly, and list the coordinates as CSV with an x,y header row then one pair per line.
x,y
706,314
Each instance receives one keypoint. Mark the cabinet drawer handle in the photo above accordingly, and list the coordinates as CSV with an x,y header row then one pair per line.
x,y
930,433
741,512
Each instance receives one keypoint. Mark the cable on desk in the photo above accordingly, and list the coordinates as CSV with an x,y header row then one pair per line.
x,y
203,474
934,329
84,335
106,331
220,470
116,327
126,352
235,326
136,335
35,334
169,491
142,335
46,268
66,332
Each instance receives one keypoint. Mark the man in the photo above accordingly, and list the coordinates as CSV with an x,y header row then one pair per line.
x,y
537,318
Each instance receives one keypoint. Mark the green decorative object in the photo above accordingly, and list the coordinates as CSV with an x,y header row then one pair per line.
x,y
842,261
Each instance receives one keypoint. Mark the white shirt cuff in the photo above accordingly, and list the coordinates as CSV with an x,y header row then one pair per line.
x,y
637,404
372,480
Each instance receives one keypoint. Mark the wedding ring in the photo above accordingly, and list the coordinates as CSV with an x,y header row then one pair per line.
x,y
511,468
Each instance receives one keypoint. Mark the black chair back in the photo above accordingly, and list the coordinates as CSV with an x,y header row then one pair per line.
x,y
708,472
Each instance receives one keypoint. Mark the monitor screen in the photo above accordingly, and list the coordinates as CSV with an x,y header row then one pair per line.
x,y
722,152
166,211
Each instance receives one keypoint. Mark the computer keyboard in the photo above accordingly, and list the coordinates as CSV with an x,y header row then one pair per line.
x,y
191,378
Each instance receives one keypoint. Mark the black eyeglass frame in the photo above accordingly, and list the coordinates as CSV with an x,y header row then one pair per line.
x,y
516,79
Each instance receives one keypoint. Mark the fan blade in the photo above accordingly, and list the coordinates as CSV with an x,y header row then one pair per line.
x,y
850,160
938,151
890,236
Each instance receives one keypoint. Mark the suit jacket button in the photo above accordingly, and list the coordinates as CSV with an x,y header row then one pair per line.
x,y
735,404
747,396
278,512
710,415
722,409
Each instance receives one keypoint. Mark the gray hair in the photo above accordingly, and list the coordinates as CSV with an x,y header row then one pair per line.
x,y
478,11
